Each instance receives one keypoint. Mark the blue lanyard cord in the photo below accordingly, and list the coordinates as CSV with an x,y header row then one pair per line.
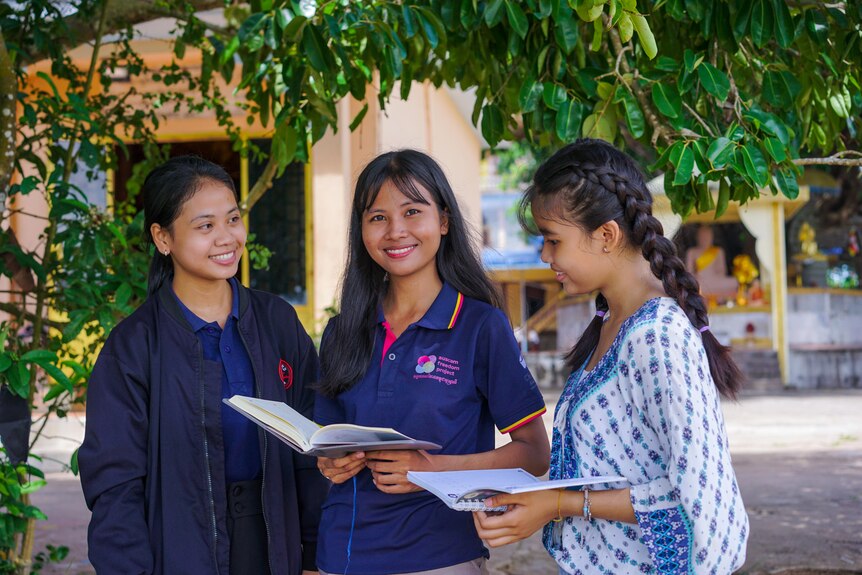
x,y
352,525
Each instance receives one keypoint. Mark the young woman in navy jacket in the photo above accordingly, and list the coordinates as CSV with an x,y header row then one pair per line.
x,y
177,482
422,346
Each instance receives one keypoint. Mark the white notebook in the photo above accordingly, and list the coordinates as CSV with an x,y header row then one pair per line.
x,y
467,490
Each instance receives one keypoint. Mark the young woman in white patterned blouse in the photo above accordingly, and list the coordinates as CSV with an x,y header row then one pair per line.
x,y
642,400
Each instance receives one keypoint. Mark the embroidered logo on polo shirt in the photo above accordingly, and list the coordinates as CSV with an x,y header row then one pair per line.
x,y
437,367
285,373
426,364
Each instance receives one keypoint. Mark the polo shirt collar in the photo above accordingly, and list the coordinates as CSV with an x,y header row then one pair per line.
x,y
443,313
198,323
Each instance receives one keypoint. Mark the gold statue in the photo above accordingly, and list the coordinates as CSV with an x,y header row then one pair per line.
x,y
745,272
806,238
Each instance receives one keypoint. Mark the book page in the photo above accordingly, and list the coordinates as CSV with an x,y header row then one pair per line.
x,y
278,416
340,433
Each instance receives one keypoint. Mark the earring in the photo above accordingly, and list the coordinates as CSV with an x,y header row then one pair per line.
x,y
386,277
166,252
606,250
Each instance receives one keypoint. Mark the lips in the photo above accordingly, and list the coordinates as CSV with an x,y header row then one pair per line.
x,y
399,252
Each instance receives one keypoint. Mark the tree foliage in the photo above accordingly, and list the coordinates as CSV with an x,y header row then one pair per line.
x,y
740,93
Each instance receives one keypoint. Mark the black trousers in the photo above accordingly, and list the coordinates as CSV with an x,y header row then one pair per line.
x,y
246,529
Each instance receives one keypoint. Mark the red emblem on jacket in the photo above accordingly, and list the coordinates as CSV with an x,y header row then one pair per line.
x,y
285,372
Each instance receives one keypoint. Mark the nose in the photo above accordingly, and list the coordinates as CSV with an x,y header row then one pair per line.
x,y
395,228
545,253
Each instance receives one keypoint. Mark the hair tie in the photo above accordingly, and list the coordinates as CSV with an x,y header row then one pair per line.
x,y
703,329
600,313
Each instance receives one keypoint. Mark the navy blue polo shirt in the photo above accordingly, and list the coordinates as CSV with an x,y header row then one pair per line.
x,y
449,378
224,347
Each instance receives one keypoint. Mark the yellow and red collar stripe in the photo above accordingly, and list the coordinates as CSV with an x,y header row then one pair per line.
x,y
459,303
523,421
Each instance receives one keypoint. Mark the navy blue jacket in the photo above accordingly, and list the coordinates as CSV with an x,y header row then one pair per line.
x,y
152,461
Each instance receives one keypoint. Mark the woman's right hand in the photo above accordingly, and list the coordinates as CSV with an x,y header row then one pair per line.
x,y
341,469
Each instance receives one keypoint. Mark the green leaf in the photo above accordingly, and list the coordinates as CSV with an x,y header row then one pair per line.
x,y
19,379
315,49
761,22
589,12
723,197
646,36
431,25
409,24
554,95
569,120
786,180
492,124
359,116
667,99
776,149
785,30
39,355
634,116
684,166
58,376
567,35
493,13
775,90
714,81
596,42
517,19
755,164
528,97
596,126
5,362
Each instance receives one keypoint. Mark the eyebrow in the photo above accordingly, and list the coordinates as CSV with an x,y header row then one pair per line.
x,y
209,216
404,204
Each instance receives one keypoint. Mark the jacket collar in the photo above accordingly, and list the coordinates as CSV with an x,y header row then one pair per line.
x,y
443,313
173,307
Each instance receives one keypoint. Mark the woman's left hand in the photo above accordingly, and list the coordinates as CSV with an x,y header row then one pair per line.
x,y
527,513
389,468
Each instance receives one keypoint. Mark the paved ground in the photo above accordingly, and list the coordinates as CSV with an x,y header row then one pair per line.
x,y
798,458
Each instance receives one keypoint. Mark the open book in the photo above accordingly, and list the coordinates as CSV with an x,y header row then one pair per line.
x,y
307,437
467,490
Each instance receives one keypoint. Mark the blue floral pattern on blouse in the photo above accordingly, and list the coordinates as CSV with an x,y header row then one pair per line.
x,y
649,412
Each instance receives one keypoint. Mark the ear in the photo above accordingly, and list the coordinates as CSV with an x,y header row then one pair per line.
x,y
444,222
161,237
610,236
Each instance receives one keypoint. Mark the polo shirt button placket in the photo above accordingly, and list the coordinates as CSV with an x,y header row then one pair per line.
x,y
391,357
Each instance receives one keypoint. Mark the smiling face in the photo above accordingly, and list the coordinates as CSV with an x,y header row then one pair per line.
x,y
207,238
575,256
402,235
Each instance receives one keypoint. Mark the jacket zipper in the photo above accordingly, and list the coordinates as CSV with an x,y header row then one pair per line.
x,y
263,456
207,461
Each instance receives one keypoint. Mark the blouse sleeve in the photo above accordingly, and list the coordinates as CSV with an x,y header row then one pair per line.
x,y
691,517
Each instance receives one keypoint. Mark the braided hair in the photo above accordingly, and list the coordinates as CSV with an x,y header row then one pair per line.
x,y
588,183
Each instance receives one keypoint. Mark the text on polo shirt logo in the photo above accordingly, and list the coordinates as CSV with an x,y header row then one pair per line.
x,y
437,368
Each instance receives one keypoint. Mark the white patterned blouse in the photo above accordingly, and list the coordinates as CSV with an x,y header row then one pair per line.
x,y
650,412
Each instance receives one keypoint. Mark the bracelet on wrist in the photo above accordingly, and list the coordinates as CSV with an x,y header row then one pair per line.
x,y
559,516
587,512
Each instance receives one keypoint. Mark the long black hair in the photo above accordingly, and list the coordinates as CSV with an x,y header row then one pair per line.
x,y
346,350
165,190
588,183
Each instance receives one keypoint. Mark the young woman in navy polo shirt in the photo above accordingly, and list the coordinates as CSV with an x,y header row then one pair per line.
x,y
177,481
642,400
420,345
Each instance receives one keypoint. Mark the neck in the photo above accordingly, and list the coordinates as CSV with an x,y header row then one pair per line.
x,y
209,300
409,298
623,298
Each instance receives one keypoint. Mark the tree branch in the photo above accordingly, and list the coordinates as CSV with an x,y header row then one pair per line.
x,y
18,311
263,183
8,112
658,131
120,15
836,160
